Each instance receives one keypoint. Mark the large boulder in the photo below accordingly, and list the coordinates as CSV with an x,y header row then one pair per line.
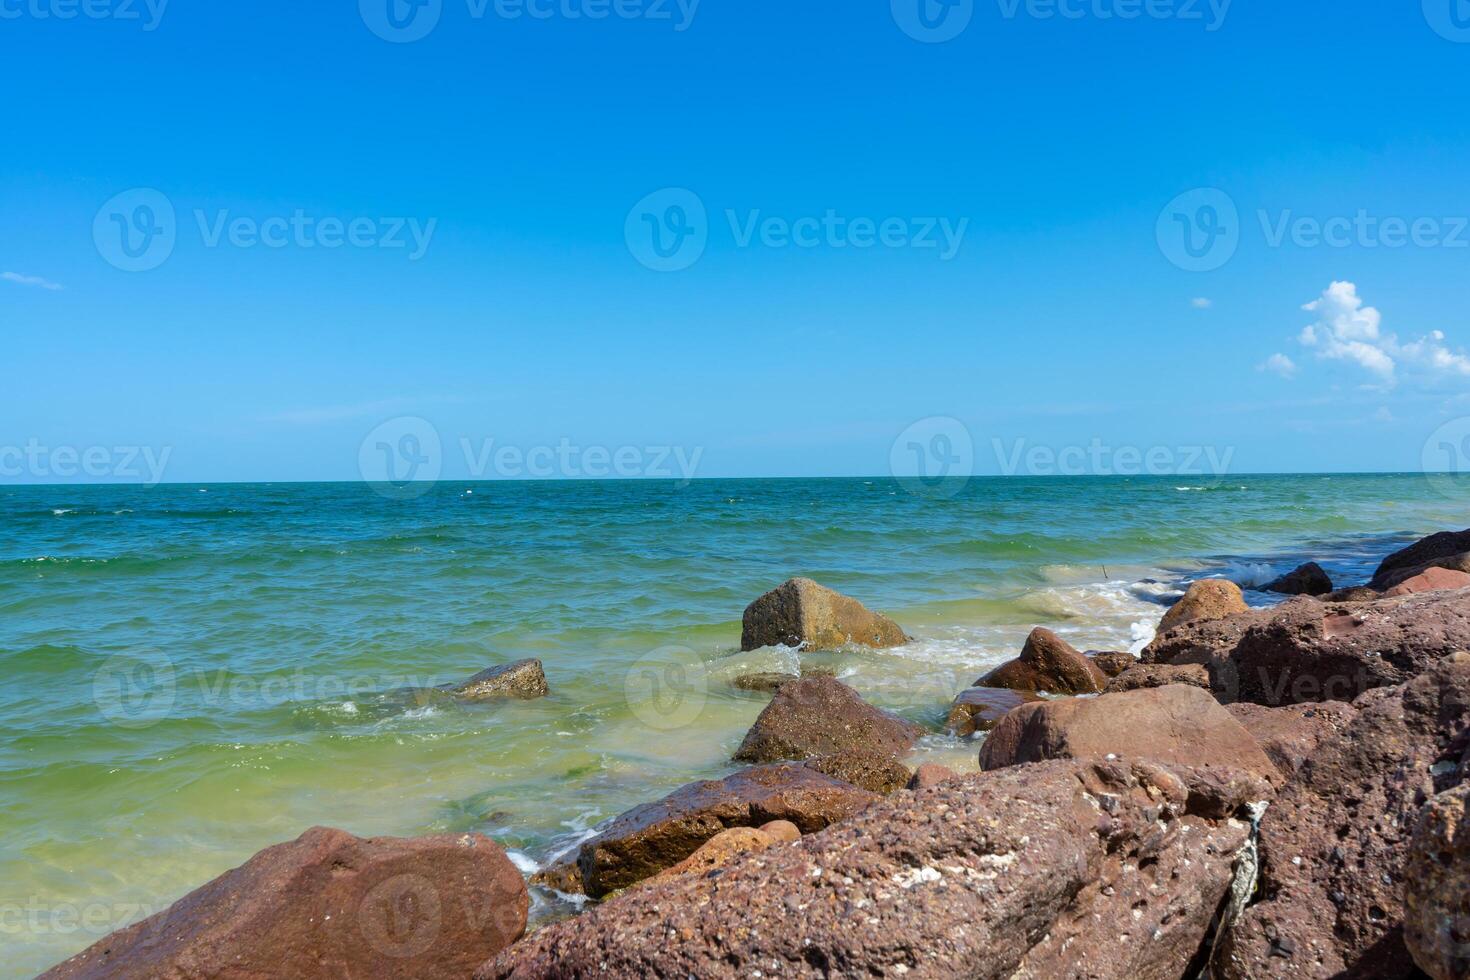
x,y
1307,650
1291,733
328,905
1176,725
523,679
979,709
1447,549
1431,580
658,835
1063,869
802,613
1141,676
1437,887
1308,579
1335,842
1047,663
1210,598
822,716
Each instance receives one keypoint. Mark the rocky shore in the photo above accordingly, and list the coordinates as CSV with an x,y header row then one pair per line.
x,y
1263,792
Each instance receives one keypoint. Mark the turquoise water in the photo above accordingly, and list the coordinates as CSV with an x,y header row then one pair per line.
x,y
193,673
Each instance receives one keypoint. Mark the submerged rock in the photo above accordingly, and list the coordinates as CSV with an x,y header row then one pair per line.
x,y
523,679
1309,579
802,613
1159,675
658,835
822,716
1058,869
1047,663
768,682
1335,842
1437,887
328,905
979,709
1447,549
1210,598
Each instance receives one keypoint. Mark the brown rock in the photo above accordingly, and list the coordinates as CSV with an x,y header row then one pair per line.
x,y
1159,675
769,682
1290,734
1047,663
781,830
1309,579
1210,598
717,852
1437,887
1306,650
802,613
1063,869
1447,549
872,771
328,905
1430,580
1175,725
1356,593
1112,662
1335,841
523,679
655,836
979,709
931,774
822,716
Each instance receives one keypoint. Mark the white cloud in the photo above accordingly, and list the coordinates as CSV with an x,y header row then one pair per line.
x,y
1347,330
21,280
1278,364
1202,302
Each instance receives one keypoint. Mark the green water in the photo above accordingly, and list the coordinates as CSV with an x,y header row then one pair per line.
x,y
195,673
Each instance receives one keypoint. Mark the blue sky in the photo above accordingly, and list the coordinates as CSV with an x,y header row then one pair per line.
x,y
497,287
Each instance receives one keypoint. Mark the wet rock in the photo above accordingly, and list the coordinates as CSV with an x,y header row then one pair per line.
x,y
1290,734
822,716
1062,869
1437,887
769,682
717,852
1112,662
1447,549
1159,675
979,709
658,835
1047,663
872,771
1430,580
1306,650
523,679
328,905
1210,598
931,774
1174,725
563,876
1335,842
802,613
1309,579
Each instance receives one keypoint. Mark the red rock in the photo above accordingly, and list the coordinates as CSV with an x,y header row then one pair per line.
x,y
1430,580
1447,549
328,905
1437,887
781,830
1112,662
1047,663
819,716
931,774
979,709
1290,734
802,613
1062,869
717,852
872,771
1210,598
1141,676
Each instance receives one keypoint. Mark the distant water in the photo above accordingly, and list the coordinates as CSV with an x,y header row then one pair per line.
x,y
192,673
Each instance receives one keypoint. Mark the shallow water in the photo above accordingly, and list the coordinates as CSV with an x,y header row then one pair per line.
x,y
193,673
